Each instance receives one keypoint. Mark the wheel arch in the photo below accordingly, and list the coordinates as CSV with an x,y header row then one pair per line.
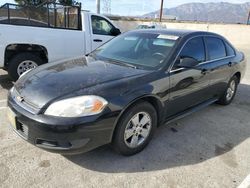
x,y
238,75
13,49
153,100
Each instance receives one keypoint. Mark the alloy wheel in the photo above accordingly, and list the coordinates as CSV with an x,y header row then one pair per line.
x,y
231,90
137,129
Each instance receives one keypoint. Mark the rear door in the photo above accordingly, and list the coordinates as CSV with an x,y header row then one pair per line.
x,y
188,87
220,60
101,30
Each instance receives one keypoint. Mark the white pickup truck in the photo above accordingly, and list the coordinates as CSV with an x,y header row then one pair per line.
x,y
30,37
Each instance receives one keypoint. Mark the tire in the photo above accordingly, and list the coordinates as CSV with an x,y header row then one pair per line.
x,y
142,134
13,65
229,93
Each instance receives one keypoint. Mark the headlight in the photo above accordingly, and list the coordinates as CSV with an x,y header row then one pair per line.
x,y
12,89
77,106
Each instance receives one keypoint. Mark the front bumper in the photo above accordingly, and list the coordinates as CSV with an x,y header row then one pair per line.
x,y
62,135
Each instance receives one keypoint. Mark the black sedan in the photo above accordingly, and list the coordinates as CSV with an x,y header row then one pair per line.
x,y
121,92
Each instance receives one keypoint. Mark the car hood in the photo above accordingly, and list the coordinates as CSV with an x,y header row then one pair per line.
x,y
55,80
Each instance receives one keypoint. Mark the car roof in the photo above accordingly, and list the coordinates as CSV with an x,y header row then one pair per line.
x,y
174,32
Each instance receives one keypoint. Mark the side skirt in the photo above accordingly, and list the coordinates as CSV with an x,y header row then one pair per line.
x,y
190,111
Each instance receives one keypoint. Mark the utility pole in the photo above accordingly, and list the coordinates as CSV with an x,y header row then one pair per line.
x,y
98,6
161,10
248,19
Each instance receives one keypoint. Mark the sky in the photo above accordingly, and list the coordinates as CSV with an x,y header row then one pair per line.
x,y
138,7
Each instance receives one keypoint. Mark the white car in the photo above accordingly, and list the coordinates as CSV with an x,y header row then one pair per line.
x,y
58,33
151,26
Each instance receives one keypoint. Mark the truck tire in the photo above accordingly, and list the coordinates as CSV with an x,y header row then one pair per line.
x,y
21,63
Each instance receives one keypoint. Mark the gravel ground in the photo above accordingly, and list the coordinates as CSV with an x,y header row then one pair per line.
x,y
209,148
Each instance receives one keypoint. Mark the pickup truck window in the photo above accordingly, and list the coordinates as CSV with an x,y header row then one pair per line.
x,y
101,26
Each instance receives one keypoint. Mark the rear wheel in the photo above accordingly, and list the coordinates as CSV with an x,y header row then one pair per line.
x,y
230,92
135,129
22,62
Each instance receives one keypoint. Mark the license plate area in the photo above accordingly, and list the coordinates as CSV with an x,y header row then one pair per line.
x,y
12,118
19,127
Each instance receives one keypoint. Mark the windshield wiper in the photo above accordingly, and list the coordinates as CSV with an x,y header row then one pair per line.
x,y
123,63
128,65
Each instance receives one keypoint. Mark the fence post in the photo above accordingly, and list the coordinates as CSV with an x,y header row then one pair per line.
x,y
48,15
8,11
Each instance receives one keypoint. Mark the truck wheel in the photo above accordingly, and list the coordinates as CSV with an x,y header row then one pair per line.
x,y
21,63
135,129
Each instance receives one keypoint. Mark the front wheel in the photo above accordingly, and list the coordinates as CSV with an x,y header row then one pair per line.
x,y
230,92
135,129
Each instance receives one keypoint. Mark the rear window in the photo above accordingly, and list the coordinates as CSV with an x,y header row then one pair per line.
x,y
216,48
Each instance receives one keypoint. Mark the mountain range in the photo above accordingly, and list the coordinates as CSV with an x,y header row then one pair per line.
x,y
208,12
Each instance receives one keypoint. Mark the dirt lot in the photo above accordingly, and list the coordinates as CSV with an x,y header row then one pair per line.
x,y
207,149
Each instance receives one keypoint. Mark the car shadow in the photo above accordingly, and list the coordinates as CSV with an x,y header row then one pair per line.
x,y
5,81
212,132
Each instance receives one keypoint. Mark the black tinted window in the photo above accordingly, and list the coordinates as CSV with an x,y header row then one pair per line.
x,y
216,48
101,26
230,50
194,49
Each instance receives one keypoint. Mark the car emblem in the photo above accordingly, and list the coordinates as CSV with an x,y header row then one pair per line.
x,y
20,99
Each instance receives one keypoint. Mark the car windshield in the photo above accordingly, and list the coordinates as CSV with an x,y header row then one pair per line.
x,y
144,50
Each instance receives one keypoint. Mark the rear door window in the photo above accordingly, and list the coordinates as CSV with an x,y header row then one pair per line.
x,y
230,50
216,48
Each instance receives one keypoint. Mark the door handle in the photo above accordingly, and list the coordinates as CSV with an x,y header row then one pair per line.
x,y
204,71
97,40
230,64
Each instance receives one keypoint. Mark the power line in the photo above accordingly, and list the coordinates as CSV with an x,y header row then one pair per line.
x,y
106,6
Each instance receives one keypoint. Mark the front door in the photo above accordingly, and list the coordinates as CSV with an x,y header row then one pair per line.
x,y
188,86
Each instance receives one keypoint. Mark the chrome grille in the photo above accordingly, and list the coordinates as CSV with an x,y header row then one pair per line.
x,y
22,129
24,103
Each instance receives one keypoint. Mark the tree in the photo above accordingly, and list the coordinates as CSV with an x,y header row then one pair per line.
x,y
67,2
29,2
38,2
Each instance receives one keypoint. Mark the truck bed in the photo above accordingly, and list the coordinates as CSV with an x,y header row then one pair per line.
x,y
55,41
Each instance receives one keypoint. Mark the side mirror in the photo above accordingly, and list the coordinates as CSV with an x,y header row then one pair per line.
x,y
115,31
188,62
